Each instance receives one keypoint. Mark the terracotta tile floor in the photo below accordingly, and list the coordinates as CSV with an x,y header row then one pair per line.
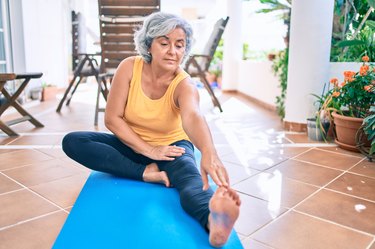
x,y
296,193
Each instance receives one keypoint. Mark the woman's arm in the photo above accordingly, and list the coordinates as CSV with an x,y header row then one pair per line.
x,y
114,113
195,126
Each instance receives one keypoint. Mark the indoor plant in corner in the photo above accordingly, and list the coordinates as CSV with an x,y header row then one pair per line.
x,y
350,102
368,130
318,126
48,92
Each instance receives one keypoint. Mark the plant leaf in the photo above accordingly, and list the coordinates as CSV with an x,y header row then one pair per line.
x,y
350,43
371,24
371,3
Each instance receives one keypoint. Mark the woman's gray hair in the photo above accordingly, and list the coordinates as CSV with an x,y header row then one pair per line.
x,y
159,24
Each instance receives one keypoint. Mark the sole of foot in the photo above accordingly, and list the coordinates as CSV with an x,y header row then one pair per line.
x,y
224,210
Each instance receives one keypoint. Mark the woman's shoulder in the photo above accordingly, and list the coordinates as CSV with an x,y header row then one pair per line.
x,y
124,71
128,61
126,65
186,85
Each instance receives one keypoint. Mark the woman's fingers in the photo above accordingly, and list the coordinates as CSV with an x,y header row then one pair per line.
x,y
204,179
216,178
223,176
175,151
167,153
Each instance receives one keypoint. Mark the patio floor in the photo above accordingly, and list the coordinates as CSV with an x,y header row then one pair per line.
x,y
295,193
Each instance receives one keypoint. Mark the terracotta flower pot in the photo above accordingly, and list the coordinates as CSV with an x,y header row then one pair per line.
x,y
49,93
346,130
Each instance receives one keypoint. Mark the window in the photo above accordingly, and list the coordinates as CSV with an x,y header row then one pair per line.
x,y
4,34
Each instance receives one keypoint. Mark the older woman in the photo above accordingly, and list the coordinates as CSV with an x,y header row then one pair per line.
x,y
153,112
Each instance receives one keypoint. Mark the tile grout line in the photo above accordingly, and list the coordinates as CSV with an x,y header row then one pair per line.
x,y
322,165
288,139
12,191
20,147
339,153
324,188
266,170
31,219
294,145
35,193
371,243
322,219
335,223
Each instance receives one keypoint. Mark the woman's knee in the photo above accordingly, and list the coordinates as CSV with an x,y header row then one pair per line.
x,y
72,140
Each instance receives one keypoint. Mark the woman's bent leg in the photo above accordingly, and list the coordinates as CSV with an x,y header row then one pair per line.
x,y
185,177
104,152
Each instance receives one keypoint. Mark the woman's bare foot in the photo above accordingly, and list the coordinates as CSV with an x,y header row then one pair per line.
x,y
224,211
153,174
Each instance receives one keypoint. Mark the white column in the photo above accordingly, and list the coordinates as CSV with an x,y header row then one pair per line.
x,y
47,38
232,53
310,43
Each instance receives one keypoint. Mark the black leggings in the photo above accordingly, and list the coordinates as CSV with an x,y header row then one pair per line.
x,y
105,152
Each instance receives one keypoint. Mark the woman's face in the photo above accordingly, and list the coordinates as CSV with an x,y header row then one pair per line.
x,y
168,50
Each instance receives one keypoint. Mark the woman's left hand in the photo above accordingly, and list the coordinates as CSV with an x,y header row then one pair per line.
x,y
211,165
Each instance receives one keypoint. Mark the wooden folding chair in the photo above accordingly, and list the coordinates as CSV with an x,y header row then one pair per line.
x,y
83,64
118,21
11,100
198,64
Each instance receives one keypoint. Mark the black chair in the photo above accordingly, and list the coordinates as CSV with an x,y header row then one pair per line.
x,y
83,64
198,64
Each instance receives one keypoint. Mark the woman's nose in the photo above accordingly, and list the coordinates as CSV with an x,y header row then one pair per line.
x,y
172,49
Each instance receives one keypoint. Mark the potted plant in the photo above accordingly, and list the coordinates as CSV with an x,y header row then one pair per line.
x,y
318,126
368,130
49,92
349,102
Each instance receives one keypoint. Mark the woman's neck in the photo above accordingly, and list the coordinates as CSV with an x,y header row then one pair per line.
x,y
158,74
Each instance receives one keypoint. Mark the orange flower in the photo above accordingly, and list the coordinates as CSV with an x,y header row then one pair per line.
x,y
335,94
343,84
368,88
334,81
348,76
365,58
363,70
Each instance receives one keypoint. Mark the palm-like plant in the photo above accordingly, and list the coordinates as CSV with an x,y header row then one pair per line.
x,y
281,6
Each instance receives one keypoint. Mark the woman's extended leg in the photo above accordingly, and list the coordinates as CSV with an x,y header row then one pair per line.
x,y
104,152
185,177
217,211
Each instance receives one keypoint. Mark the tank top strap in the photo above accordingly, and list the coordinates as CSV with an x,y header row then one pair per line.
x,y
137,70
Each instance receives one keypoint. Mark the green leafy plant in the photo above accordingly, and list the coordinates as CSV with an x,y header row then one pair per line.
x,y
354,49
369,128
280,68
283,7
324,105
354,96
353,30
217,60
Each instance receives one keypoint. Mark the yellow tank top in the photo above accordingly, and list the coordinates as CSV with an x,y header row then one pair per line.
x,y
156,121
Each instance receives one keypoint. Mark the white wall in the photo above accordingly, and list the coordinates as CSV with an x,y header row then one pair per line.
x,y
337,69
47,39
257,80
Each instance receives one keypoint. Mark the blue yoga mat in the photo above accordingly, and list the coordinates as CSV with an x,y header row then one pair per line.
x,y
113,212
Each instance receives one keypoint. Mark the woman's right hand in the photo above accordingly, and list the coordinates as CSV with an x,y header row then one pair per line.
x,y
165,152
